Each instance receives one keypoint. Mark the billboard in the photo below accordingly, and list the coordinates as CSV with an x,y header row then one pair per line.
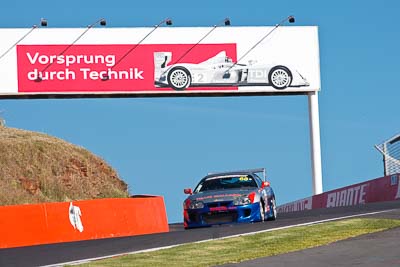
x,y
169,61
381,189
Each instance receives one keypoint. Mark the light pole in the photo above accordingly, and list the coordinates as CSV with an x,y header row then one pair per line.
x,y
43,23
225,22
291,19
101,21
166,21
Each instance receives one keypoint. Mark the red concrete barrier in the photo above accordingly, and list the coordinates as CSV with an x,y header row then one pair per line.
x,y
26,225
381,189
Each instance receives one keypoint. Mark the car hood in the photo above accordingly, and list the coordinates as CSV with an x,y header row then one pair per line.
x,y
221,195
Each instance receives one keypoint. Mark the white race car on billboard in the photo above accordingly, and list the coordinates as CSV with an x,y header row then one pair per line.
x,y
220,70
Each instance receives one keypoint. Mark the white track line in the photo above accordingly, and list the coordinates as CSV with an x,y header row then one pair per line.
x,y
220,238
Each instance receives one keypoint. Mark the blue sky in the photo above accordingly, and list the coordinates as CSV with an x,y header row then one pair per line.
x,y
160,146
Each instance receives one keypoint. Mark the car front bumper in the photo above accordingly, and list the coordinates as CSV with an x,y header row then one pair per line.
x,y
221,215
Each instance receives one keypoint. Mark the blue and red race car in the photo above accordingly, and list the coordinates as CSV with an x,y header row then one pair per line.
x,y
229,197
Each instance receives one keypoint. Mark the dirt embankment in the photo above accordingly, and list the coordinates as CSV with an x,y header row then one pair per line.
x,y
36,167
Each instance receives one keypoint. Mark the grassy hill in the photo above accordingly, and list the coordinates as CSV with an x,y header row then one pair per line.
x,y
36,168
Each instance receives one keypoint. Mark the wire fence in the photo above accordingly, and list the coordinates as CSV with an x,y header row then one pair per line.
x,y
390,150
2,120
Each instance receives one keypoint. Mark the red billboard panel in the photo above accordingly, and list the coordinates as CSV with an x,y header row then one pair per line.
x,y
124,67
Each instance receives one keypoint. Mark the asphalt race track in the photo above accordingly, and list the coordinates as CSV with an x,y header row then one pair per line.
x,y
373,250
67,252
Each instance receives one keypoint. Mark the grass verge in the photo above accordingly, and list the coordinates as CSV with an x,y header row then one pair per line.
x,y
234,250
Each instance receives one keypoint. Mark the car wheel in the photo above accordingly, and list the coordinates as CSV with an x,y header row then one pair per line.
x,y
179,78
280,77
273,210
262,211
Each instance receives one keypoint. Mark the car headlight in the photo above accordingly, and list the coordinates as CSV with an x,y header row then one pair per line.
x,y
242,200
195,205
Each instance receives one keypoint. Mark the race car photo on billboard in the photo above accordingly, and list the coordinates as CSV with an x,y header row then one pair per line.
x,y
221,71
229,197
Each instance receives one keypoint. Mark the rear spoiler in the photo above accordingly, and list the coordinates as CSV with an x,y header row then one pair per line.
x,y
259,170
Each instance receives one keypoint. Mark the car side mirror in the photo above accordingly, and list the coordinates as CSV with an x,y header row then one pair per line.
x,y
265,184
188,191
226,75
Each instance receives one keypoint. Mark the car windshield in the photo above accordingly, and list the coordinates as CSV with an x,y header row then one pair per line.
x,y
221,183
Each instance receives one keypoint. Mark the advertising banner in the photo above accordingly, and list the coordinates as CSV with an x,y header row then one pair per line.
x,y
381,189
169,61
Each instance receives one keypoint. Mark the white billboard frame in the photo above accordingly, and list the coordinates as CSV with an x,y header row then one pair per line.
x,y
249,65
298,44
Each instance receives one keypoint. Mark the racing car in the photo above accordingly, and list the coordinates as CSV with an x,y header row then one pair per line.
x,y
229,197
220,70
